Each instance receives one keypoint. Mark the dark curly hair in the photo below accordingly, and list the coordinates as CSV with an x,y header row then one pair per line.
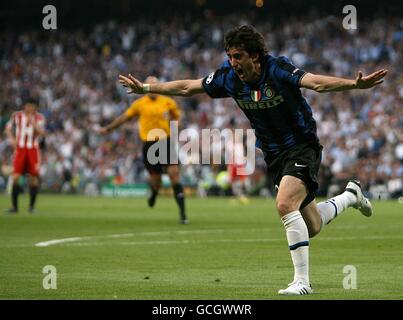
x,y
246,37
30,100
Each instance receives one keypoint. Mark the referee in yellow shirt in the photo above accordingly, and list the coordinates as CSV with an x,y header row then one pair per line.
x,y
154,112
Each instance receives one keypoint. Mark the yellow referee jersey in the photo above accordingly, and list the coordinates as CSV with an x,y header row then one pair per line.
x,y
154,113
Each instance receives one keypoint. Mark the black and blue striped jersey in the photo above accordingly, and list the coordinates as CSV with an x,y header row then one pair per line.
x,y
275,107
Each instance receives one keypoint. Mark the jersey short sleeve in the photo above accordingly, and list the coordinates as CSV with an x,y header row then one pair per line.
x,y
284,70
174,109
133,110
214,83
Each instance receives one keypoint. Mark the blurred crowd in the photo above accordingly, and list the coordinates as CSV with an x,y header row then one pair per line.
x,y
74,75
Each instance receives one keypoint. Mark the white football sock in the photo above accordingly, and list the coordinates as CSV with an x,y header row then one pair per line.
x,y
298,242
333,207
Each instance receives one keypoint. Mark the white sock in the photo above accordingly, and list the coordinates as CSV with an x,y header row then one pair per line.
x,y
298,242
333,207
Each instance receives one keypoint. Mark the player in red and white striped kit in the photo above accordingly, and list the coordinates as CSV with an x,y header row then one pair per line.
x,y
237,168
23,131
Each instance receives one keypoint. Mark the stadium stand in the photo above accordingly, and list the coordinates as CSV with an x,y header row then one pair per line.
x,y
74,74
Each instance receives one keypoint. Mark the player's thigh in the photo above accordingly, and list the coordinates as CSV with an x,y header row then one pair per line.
x,y
291,193
312,218
153,168
33,164
19,163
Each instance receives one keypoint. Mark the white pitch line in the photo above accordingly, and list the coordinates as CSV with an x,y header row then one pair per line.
x,y
264,240
197,241
170,242
167,242
58,241
126,235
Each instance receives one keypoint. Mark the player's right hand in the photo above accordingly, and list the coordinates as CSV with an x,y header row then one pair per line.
x,y
134,85
101,130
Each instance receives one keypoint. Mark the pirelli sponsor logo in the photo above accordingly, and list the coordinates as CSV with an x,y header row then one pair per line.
x,y
263,104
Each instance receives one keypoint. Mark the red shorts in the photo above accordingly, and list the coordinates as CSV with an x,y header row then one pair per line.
x,y
236,172
27,161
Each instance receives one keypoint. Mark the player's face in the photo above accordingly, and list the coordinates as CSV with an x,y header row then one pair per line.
x,y
29,108
245,65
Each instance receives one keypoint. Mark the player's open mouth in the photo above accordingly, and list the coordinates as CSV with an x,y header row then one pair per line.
x,y
239,72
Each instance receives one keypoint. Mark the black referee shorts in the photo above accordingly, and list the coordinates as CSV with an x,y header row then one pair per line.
x,y
164,156
303,162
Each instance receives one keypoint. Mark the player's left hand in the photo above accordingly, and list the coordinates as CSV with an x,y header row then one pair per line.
x,y
371,80
38,129
13,143
134,85
102,130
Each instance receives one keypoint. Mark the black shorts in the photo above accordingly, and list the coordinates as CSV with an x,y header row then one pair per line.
x,y
162,154
302,161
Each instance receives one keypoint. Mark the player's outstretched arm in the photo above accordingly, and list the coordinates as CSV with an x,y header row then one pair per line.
x,y
114,124
322,83
185,88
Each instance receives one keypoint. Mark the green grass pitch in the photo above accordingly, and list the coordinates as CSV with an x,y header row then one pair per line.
x,y
118,248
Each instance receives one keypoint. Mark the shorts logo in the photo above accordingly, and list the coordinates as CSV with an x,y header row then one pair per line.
x,y
255,95
210,78
269,92
300,165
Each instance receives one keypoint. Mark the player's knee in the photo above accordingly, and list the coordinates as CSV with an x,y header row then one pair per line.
x,y
156,185
174,179
33,181
313,230
16,179
284,207
173,176
155,180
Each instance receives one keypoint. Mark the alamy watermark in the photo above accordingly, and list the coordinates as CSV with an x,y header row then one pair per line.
x,y
49,22
50,279
350,20
350,280
212,146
